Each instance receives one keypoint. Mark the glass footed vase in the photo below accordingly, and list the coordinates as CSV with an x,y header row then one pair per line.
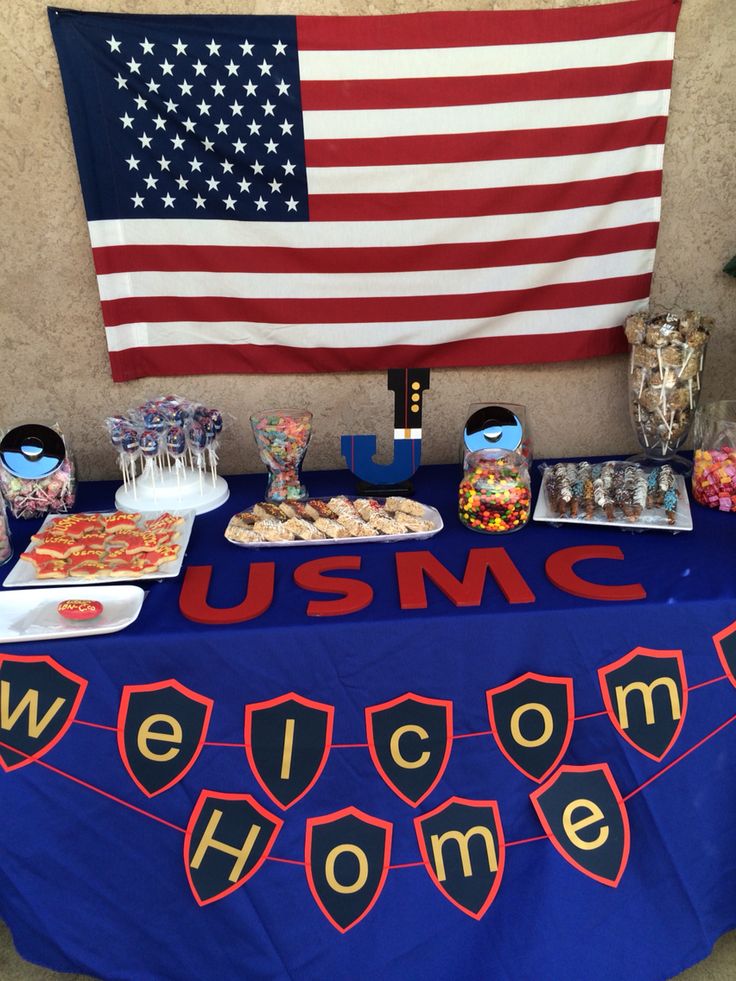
x,y
282,437
665,371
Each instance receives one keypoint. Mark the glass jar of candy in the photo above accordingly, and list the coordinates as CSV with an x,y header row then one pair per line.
x,y
37,473
495,492
282,437
6,544
714,455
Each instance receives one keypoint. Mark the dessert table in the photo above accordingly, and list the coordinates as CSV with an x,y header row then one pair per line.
x,y
109,868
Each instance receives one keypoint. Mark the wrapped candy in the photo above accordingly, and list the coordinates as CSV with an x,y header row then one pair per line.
x,y
37,473
714,441
6,545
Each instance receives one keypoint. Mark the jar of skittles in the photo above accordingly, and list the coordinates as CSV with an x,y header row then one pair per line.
x,y
495,492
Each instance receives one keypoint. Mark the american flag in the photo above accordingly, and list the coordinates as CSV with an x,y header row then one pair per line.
x,y
287,194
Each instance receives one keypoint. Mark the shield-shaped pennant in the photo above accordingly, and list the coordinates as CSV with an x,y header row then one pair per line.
x,y
287,742
645,694
38,702
161,729
532,719
725,641
409,740
347,855
584,816
228,838
463,849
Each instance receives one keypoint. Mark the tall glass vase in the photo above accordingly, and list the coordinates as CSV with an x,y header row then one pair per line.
x,y
282,437
665,370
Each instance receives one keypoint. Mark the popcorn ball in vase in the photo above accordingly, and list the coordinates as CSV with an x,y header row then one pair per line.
x,y
665,371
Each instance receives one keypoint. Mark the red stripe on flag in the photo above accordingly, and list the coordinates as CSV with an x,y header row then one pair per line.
x,y
256,359
464,255
504,145
372,309
449,29
412,93
484,201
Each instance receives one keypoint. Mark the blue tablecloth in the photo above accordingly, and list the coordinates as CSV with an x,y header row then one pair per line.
x,y
91,881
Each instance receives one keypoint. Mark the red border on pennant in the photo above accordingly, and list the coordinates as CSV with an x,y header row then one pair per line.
x,y
648,652
327,819
501,851
123,710
309,703
216,795
624,817
369,713
568,683
72,712
717,638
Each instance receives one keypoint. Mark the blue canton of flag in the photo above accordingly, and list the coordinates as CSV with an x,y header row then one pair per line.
x,y
192,122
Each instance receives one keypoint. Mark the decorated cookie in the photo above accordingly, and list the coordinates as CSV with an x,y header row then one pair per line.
x,y
79,609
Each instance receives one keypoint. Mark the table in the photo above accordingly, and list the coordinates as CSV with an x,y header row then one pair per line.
x,y
93,873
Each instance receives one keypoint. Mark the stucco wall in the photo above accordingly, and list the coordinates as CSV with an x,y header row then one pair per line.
x,y
53,359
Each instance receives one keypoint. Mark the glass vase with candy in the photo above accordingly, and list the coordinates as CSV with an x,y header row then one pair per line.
x,y
494,496
665,370
282,437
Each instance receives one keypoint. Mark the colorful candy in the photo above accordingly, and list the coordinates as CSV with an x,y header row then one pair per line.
x,y
6,546
282,439
495,493
714,478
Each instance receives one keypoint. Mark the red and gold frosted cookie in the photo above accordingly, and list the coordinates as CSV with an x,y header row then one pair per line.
x,y
119,521
79,609
58,547
164,522
52,569
76,525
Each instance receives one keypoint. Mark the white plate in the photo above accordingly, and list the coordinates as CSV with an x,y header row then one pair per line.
x,y
24,573
31,615
429,514
650,518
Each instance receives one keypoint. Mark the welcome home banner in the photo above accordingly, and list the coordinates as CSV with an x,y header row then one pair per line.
x,y
162,727
294,194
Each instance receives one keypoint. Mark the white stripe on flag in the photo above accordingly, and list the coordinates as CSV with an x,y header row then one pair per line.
x,y
370,234
347,335
484,173
435,282
492,59
499,116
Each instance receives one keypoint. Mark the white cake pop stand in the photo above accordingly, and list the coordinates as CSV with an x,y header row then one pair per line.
x,y
160,490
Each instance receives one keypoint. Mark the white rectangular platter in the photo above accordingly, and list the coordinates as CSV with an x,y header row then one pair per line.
x,y
650,519
23,573
30,614
429,514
